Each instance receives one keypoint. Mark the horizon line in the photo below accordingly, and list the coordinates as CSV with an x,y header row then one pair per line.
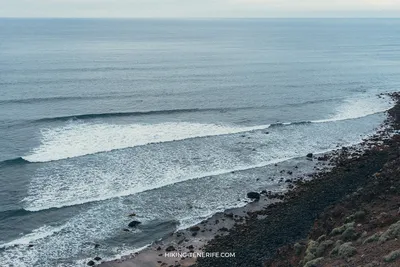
x,y
208,18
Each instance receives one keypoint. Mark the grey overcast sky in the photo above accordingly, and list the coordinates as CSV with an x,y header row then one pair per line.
x,y
199,8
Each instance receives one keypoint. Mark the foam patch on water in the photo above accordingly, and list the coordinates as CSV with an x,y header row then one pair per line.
x,y
73,244
75,239
30,238
361,106
109,189
78,139
127,172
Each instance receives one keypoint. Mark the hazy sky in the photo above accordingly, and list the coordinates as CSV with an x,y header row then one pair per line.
x,y
199,8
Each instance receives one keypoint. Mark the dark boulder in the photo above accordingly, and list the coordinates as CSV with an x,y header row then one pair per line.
x,y
229,215
97,259
91,263
170,248
309,155
194,228
323,158
133,224
253,195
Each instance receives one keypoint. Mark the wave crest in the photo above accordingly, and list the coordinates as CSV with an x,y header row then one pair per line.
x,y
79,139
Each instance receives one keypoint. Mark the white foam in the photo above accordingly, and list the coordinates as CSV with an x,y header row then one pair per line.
x,y
127,172
360,106
118,254
79,139
48,201
70,242
35,235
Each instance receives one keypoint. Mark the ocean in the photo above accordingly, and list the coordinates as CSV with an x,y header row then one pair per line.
x,y
173,120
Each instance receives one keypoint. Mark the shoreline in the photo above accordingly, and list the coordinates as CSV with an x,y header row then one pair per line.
x,y
254,232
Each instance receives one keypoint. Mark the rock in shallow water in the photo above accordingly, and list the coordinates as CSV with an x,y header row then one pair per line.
x,y
133,224
253,195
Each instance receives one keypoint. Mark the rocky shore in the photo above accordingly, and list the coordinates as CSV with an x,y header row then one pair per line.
x,y
362,228
347,216
332,219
